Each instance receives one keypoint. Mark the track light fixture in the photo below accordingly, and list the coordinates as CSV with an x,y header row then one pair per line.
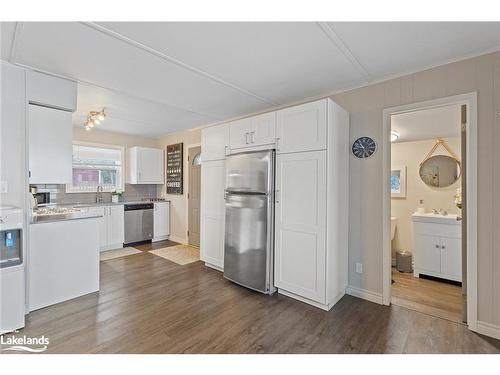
x,y
94,118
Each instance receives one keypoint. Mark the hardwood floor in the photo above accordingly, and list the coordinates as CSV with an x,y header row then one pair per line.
x,y
150,305
427,296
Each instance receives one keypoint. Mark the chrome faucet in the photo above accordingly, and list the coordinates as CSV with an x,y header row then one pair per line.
x,y
98,196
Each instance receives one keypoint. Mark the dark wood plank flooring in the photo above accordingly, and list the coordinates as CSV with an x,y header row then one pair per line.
x,y
150,305
427,296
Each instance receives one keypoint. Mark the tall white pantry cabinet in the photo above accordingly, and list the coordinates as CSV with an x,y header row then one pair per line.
x,y
311,199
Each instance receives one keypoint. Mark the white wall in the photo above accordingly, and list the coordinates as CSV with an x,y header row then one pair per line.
x,y
411,154
13,134
480,74
179,203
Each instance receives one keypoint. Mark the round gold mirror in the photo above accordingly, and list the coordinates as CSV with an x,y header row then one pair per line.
x,y
440,171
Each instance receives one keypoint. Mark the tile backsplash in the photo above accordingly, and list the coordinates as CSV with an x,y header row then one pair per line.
x,y
58,194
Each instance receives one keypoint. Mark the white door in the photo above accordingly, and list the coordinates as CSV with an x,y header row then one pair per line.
x,y
214,142
103,225
301,224
427,252
161,224
213,182
239,133
451,257
302,128
116,221
264,129
151,165
50,145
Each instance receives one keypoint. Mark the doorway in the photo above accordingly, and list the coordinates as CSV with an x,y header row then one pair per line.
x,y
194,188
425,267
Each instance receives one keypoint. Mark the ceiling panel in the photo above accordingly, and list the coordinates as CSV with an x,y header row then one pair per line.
x,y
390,48
280,61
440,122
80,52
132,115
7,30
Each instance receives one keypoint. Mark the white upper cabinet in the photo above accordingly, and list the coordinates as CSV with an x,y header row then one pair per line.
x,y
50,145
50,91
215,142
302,128
145,165
253,131
300,224
239,133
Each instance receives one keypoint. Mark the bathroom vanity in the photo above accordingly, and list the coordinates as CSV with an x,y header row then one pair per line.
x,y
437,246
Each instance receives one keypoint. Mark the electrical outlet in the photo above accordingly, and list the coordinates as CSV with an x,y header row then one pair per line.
x,y
4,187
359,267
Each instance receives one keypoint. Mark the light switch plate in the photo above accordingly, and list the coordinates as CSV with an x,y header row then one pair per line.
x,y
4,187
359,267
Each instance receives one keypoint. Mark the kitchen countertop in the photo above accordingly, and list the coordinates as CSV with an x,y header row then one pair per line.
x,y
40,219
83,205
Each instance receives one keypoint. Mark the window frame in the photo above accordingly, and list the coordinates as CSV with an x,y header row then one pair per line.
x,y
71,189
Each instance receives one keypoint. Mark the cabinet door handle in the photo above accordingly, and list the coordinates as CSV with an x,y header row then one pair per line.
x,y
251,137
276,192
277,143
246,138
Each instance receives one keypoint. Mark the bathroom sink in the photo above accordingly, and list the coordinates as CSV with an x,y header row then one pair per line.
x,y
435,218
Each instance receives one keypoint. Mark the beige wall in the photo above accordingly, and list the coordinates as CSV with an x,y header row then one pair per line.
x,y
179,203
480,74
410,154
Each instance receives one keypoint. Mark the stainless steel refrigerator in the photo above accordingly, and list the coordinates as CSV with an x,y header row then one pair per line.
x,y
249,234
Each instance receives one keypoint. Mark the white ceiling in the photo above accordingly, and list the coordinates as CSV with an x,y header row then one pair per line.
x,y
439,122
157,78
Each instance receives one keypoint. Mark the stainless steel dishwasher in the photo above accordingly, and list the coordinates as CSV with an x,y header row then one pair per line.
x,y
139,222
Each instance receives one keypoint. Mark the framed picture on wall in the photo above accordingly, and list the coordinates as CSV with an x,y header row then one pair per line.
x,y
398,182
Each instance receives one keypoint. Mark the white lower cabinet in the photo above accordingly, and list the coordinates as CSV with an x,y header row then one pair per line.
x,y
161,230
213,182
300,215
111,226
437,247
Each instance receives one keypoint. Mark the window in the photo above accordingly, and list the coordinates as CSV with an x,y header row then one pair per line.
x,y
96,165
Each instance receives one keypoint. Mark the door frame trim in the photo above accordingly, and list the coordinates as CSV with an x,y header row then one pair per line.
x,y
191,145
469,99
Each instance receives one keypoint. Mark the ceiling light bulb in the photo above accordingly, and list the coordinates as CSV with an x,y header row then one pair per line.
x,y
394,136
87,128
101,115
96,121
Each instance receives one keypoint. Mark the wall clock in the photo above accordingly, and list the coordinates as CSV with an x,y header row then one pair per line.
x,y
364,147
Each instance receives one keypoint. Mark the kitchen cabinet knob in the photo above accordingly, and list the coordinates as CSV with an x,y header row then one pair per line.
x,y
437,246
442,247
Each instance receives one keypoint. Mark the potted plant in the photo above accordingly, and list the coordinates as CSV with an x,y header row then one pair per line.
x,y
116,196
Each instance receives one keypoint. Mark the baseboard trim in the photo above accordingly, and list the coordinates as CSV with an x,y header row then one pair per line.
x,y
365,294
182,241
488,329
217,268
160,238
305,300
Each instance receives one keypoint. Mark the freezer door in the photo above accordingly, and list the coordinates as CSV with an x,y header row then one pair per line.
x,y
250,172
247,241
